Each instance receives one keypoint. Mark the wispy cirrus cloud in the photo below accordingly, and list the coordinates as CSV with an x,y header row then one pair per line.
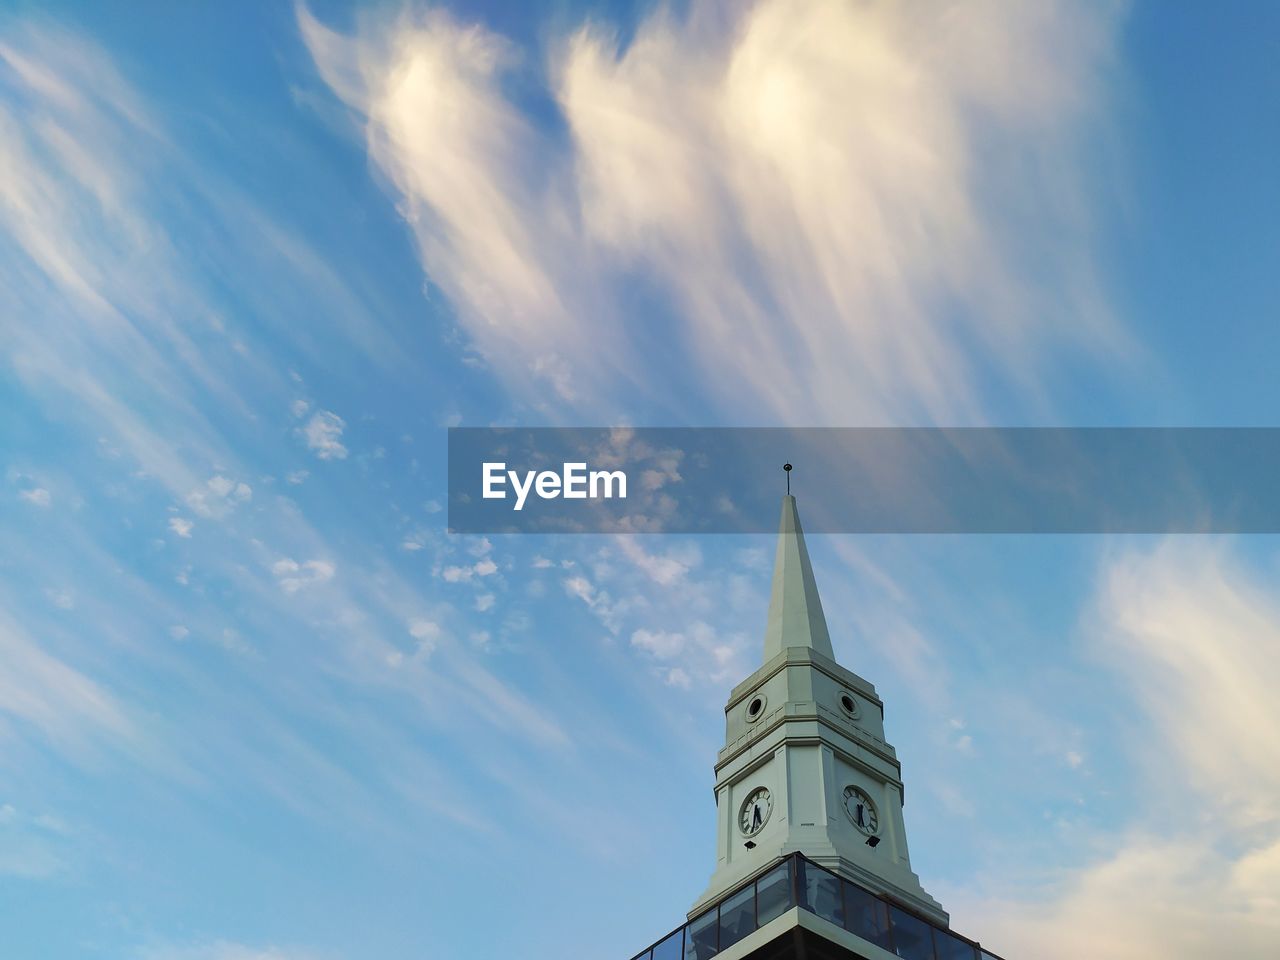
x,y
111,319
847,210
142,351
59,702
1194,869
825,202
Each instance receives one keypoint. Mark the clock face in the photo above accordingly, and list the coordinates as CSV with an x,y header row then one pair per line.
x,y
861,811
755,811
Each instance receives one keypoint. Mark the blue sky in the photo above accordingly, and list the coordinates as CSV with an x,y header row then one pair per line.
x,y
255,704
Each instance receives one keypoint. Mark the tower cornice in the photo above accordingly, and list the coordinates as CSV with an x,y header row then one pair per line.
x,y
788,727
803,657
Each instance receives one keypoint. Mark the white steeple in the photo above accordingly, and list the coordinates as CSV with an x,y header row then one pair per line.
x,y
795,611
805,766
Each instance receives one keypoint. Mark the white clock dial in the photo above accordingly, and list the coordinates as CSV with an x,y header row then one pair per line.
x,y
755,811
861,811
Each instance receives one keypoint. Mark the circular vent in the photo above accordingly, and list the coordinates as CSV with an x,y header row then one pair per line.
x,y
848,703
755,707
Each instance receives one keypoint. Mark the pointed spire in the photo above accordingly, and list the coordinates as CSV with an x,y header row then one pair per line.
x,y
795,612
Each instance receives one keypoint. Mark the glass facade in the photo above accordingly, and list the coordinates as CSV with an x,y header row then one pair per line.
x,y
798,881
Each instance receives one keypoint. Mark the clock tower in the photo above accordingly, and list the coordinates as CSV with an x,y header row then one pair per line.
x,y
811,847
805,766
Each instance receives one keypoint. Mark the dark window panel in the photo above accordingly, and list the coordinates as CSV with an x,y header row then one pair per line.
x,y
912,937
773,893
820,893
671,948
949,947
737,917
866,916
701,940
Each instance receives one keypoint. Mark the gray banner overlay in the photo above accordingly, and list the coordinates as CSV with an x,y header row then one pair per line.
x,y
856,480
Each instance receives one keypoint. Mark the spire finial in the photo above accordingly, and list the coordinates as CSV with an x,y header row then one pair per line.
x,y
787,467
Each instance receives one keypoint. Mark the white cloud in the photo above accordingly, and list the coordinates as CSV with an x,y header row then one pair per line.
x,y
296,477
955,801
676,677
427,633
581,588
703,654
232,640
293,576
1154,898
659,643
825,192
485,602
600,602
1198,634
1196,870
178,632
181,526
220,486
218,496
323,434
424,629
484,567
664,569
63,599
299,407
37,495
